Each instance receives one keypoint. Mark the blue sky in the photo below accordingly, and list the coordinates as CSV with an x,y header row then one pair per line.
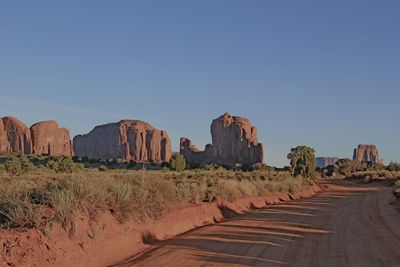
x,y
321,73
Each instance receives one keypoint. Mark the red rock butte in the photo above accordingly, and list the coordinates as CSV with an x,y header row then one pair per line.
x,y
234,143
367,153
130,140
43,138
49,139
15,136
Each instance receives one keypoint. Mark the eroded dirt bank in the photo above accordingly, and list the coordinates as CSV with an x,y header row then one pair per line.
x,y
347,225
107,242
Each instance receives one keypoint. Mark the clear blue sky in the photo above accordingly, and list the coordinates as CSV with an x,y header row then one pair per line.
x,y
321,73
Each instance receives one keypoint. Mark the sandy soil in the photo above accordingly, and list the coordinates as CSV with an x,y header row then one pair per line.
x,y
347,225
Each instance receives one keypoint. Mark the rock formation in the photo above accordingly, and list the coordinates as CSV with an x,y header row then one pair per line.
x,y
128,139
44,138
367,153
4,144
49,139
234,142
15,136
323,162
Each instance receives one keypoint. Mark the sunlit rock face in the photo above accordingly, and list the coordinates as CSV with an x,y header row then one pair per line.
x,y
128,140
49,139
234,142
15,136
367,153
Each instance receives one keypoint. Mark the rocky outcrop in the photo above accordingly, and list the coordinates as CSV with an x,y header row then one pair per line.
x,y
15,136
49,139
234,143
43,138
193,156
128,139
323,162
367,153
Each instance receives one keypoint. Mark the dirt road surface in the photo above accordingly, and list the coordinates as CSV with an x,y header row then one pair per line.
x,y
348,225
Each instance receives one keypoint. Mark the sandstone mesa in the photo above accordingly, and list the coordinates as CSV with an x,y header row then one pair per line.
x,y
128,140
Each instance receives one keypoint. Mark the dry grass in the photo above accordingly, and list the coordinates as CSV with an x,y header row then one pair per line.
x,y
42,196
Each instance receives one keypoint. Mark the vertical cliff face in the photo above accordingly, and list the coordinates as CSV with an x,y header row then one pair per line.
x,y
16,136
234,142
49,139
367,153
4,144
128,139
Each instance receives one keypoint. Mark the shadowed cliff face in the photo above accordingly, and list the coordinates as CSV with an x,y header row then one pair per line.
x,y
367,153
234,142
128,139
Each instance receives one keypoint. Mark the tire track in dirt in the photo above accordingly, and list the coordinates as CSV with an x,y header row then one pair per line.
x,y
347,225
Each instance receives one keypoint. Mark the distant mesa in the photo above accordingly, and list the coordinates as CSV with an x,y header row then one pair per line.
x,y
367,153
323,162
234,143
128,140
43,138
49,139
15,136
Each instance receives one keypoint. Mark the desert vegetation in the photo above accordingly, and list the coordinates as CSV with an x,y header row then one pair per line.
x,y
39,191
353,169
303,162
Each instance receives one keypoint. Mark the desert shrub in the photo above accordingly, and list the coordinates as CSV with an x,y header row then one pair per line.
x,y
393,166
103,168
178,162
16,209
120,198
62,165
247,188
262,167
303,162
26,164
228,189
396,190
13,166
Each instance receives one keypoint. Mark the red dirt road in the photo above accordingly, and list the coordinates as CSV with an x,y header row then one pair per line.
x,y
348,225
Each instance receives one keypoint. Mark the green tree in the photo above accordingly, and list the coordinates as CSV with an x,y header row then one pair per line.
x,y
178,162
393,166
302,161
347,167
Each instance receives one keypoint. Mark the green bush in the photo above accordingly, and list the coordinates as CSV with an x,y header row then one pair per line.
x,y
303,162
13,166
393,166
62,165
26,164
178,162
